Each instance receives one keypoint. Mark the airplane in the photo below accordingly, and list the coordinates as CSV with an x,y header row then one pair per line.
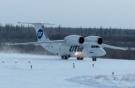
x,y
71,46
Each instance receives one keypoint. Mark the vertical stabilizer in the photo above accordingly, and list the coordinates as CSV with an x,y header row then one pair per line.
x,y
40,32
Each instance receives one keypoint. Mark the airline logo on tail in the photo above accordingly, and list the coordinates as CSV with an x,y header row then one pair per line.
x,y
40,33
39,28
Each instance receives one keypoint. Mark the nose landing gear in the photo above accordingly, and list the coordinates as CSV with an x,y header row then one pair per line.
x,y
94,59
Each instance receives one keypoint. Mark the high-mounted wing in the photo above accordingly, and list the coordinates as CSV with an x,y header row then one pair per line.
x,y
114,47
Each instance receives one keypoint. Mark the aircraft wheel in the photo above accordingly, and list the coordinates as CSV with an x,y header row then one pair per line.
x,y
64,57
80,58
94,59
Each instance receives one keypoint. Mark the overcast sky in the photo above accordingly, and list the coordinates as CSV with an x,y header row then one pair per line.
x,y
73,13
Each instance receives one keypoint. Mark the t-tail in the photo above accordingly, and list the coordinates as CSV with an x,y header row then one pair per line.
x,y
41,33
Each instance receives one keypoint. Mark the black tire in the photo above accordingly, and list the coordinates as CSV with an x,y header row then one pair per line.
x,y
80,58
94,59
64,57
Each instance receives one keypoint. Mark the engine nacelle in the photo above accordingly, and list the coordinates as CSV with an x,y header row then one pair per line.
x,y
74,40
96,39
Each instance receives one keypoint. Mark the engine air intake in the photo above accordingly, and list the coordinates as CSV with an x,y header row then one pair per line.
x,y
100,40
81,40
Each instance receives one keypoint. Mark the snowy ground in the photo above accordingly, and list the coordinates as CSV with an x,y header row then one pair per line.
x,y
52,72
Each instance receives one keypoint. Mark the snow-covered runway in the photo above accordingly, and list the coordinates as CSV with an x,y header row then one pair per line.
x,y
52,72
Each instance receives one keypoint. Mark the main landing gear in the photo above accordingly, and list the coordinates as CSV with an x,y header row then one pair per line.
x,y
65,57
80,58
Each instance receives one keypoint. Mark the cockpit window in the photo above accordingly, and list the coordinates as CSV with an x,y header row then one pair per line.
x,y
94,46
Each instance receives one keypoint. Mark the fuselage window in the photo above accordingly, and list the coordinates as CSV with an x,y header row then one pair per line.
x,y
94,46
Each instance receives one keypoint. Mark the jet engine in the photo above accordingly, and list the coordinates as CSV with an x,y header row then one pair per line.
x,y
74,40
96,39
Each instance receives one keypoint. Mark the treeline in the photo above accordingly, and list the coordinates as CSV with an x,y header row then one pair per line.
x,y
123,37
10,33
113,36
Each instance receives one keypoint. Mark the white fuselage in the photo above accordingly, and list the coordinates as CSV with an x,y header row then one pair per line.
x,y
86,50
